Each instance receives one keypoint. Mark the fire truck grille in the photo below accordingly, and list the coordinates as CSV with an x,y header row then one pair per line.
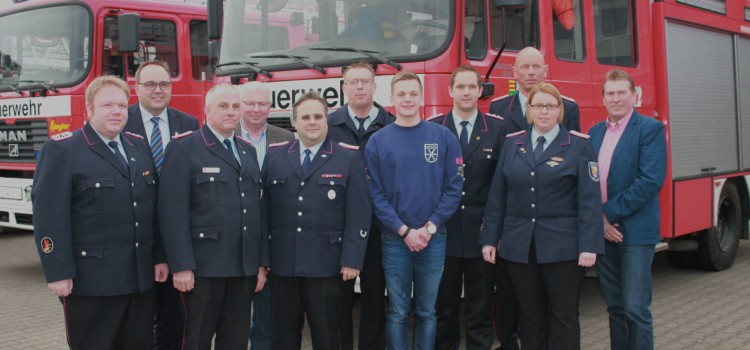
x,y
20,142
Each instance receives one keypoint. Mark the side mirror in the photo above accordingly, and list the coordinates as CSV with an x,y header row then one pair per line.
x,y
488,89
129,25
215,16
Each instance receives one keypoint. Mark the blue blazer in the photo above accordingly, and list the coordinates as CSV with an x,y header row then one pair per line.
x,y
556,200
636,174
179,122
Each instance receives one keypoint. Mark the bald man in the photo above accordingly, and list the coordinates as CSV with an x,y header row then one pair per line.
x,y
529,70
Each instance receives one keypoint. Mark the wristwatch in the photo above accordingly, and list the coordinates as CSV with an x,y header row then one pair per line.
x,y
431,228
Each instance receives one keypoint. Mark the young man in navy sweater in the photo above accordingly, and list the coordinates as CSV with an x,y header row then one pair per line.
x,y
416,172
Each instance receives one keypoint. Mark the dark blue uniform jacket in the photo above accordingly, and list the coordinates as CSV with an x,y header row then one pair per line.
x,y
556,200
94,222
480,161
210,207
318,222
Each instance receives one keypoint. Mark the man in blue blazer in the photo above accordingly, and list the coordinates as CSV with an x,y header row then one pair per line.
x,y
152,118
632,154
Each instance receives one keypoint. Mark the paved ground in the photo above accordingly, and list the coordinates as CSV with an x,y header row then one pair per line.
x,y
692,309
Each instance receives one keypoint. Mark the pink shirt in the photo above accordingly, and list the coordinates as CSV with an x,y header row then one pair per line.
x,y
611,138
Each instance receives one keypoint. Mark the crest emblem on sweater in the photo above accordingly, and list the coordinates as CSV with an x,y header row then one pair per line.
x,y
431,152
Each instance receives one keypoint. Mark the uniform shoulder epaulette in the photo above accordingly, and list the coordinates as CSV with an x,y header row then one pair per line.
x,y
499,98
517,133
179,136
568,98
245,140
579,134
278,144
348,146
134,135
435,116
494,116
62,136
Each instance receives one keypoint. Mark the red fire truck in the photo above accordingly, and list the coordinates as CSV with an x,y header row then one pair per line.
x,y
51,49
689,58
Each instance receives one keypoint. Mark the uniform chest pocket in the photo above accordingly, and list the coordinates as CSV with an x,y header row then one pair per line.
x,y
212,188
99,192
333,191
275,181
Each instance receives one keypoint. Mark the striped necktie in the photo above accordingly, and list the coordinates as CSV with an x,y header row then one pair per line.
x,y
157,148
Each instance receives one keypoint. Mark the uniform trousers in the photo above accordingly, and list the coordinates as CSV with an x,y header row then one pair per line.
x,y
317,297
167,317
548,296
220,306
505,309
121,322
372,297
477,277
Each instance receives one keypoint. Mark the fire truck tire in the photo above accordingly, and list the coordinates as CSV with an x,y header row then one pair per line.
x,y
717,246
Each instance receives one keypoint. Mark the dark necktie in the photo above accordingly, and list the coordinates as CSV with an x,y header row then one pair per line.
x,y
306,161
361,121
464,136
157,147
119,156
228,146
539,148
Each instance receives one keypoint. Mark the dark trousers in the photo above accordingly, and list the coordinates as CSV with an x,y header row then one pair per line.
x,y
548,299
220,306
345,318
372,297
477,278
506,314
293,297
167,317
121,322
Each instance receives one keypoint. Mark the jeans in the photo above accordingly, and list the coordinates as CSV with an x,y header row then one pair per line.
x,y
402,267
625,281
260,327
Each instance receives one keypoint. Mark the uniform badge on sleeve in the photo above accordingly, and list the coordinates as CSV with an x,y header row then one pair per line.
x,y
594,171
47,245
431,152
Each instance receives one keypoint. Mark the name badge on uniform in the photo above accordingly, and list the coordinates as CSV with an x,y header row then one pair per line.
x,y
211,170
331,194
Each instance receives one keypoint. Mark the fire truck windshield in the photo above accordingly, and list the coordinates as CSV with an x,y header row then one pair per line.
x,y
44,47
292,34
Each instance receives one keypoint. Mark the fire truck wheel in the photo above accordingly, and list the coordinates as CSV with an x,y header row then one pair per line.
x,y
717,246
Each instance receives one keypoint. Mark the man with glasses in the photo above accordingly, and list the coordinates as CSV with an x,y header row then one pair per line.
x,y
256,104
152,118
529,70
353,124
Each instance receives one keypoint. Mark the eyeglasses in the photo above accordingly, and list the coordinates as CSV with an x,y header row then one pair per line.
x,y
151,85
356,82
256,104
539,107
